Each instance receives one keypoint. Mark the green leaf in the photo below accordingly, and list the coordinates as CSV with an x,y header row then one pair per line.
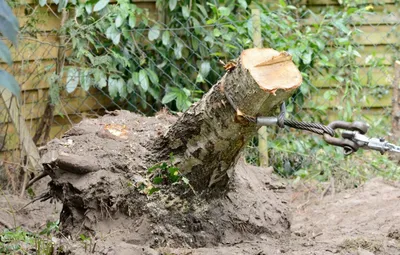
x,y
243,3
154,33
113,87
282,3
121,88
185,11
166,38
172,4
169,97
216,32
205,68
85,80
89,8
178,49
153,76
72,79
157,180
9,23
132,21
5,53
307,57
8,81
130,86
42,2
118,21
143,80
61,5
103,81
135,78
100,5
224,11
113,33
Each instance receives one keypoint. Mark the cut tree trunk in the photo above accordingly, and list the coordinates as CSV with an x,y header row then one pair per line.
x,y
99,169
207,139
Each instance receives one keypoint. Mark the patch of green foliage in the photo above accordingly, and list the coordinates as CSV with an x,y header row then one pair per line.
x,y
20,241
163,175
171,61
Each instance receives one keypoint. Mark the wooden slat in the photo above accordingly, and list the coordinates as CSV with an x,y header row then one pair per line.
x,y
371,55
365,99
45,46
57,130
44,18
335,2
369,77
31,75
388,14
71,105
25,139
376,35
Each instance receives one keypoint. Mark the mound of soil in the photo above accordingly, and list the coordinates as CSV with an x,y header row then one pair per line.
x,y
99,172
102,197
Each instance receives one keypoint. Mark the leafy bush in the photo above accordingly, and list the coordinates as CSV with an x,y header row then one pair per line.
x,y
149,64
9,28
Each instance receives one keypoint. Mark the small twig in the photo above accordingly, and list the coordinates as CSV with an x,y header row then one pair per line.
x,y
43,197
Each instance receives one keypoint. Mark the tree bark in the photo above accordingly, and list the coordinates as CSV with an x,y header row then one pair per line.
x,y
206,139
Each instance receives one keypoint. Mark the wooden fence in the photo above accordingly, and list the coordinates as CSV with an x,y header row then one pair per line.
x,y
36,56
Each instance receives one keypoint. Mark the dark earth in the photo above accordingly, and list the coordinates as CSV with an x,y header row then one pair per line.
x,y
104,194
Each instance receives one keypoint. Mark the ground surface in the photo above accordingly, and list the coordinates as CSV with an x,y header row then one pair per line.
x,y
360,221
100,165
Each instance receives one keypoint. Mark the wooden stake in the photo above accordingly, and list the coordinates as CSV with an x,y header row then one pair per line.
x,y
396,108
262,132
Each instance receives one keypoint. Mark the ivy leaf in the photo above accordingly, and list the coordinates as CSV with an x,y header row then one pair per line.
x,y
100,5
172,4
85,80
72,79
113,87
169,97
205,69
5,53
118,21
166,38
8,81
154,33
143,80
153,76
185,11
42,3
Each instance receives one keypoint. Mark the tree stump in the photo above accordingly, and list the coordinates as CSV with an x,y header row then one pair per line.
x,y
99,169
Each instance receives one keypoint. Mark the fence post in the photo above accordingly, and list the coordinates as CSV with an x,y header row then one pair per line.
x,y
396,108
262,132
